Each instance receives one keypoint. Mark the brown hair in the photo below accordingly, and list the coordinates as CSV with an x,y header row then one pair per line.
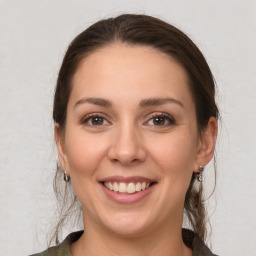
x,y
142,30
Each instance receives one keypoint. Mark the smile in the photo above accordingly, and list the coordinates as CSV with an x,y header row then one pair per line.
x,y
127,190
124,188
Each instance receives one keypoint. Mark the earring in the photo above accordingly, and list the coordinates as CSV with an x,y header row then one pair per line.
x,y
199,175
66,177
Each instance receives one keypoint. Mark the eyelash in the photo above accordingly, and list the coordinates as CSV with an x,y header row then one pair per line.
x,y
90,116
166,116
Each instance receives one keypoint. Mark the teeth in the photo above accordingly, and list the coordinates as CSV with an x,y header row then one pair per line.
x,y
131,188
127,187
138,186
115,186
122,188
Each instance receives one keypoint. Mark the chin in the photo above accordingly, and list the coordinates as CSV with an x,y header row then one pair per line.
x,y
128,231
128,225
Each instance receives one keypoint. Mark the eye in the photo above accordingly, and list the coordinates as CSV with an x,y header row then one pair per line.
x,y
94,120
161,119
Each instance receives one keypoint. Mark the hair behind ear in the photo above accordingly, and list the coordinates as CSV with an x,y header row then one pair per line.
x,y
195,209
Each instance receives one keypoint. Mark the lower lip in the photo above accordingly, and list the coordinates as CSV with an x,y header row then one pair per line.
x,y
127,198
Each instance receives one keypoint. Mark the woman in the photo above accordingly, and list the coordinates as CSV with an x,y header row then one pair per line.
x,y
135,124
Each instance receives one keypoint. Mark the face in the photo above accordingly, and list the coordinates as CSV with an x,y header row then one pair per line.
x,y
131,141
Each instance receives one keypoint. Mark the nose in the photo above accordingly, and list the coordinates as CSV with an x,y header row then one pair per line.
x,y
127,146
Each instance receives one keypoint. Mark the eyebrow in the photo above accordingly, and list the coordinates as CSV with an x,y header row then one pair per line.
x,y
95,101
159,101
144,103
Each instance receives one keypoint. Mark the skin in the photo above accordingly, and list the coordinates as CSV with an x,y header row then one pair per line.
x,y
129,142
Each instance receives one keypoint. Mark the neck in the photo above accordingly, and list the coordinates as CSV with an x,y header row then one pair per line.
x,y
97,242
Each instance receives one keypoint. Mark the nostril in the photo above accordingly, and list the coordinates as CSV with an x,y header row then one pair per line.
x,y
126,151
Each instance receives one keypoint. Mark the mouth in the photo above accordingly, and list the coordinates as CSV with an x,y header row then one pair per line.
x,y
127,187
127,190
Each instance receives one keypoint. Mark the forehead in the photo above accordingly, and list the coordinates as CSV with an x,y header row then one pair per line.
x,y
123,72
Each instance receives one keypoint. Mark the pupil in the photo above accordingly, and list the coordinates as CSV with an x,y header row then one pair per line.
x,y
159,120
97,120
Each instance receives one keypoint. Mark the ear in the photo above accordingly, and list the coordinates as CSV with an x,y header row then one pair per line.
x,y
206,144
59,139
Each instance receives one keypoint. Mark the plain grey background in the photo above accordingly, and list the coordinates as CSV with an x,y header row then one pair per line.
x,y
33,38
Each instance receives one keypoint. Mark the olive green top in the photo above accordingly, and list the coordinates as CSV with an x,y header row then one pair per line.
x,y
189,238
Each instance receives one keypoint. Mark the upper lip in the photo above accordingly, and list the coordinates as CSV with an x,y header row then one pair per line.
x,y
126,179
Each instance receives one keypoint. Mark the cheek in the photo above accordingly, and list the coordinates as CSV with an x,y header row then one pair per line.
x,y
85,152
175,157
175,154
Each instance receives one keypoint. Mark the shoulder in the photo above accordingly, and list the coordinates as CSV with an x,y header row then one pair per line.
x,y
198,247
63,249
53,251
193,241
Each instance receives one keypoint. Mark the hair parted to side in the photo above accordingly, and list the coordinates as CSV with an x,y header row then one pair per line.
x,y
144,30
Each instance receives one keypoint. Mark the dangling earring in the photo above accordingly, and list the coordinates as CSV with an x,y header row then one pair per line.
x,y
66,177
199,175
